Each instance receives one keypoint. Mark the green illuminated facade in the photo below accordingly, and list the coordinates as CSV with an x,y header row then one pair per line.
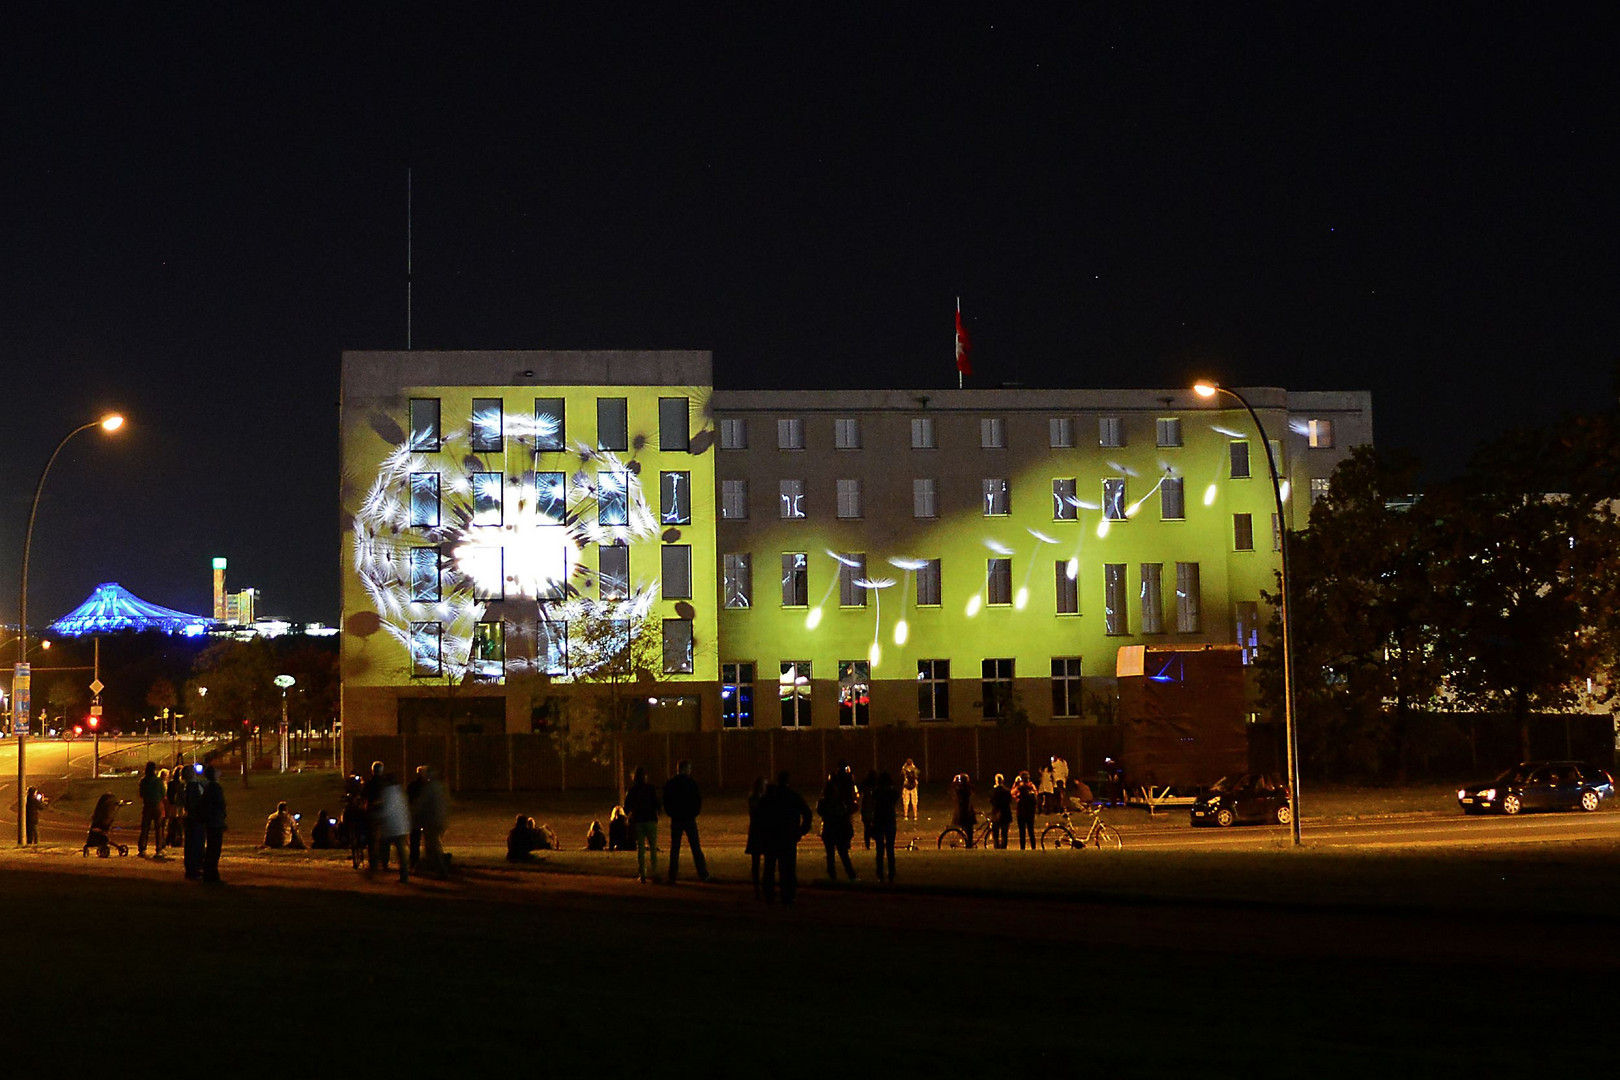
x,y
803,558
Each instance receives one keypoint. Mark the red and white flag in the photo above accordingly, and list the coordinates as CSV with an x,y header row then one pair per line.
x,y
964,347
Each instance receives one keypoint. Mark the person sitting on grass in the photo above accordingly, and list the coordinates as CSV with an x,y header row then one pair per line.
x,y
595,838
525,838
324,834
619,838
281,829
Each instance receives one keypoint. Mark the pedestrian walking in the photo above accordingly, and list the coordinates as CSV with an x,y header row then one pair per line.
x,y
1001,812
151,791
1025,800
211,808
837,830
430,815
754,847
389,818
683,801
909,787
641,807
883,800
785,819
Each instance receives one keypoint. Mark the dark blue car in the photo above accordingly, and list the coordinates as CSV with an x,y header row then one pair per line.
x,y
1539,785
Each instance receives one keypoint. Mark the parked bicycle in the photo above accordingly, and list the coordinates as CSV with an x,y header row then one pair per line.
x,y
1067,833
954,836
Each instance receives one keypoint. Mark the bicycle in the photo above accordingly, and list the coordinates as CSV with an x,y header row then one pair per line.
x,y
954,836
1064,833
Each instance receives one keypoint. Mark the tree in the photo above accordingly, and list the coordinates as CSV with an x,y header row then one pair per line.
x,y
160,696
612,649
239,677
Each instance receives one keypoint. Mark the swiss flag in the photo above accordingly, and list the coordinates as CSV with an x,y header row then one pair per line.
x,y
964,347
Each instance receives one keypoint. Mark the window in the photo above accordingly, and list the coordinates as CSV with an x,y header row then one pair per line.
x,y
425,577
1110,431
550,424
1066,686
1319,434
933,689
738,574
1114,615
997,687
792,498
1248,629
1240,460
1188,619
484,570
674,423
734,436
425,652
998,581
612,424
928,584
849,498
550,498
488,658
851,571
425,500
424,416
1068,587
1173,499
847,434
1276,533
613,573
734,500
1061,431
547,565
1152,598
1114,499
737,695
922,433
676,562
675,498
551,646
486,425
613,645
1321,486
486,491
992,433
1065,503
923,501
997,497
1169,431
790,434
612,498
794,690
677,646
854,693
1243,532
795,579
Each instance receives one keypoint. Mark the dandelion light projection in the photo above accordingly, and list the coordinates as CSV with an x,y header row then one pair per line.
x,y
1209,495
876,585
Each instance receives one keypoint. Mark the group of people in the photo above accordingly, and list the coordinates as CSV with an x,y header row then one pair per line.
x,y
402,824
682,802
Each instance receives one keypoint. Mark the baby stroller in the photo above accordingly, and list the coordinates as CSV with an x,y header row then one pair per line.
x,y
101,823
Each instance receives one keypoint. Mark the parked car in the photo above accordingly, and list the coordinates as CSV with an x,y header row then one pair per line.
x,y
1539,785
1249,797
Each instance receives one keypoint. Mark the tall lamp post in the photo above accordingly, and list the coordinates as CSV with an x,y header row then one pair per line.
x,y
20,679
1290,731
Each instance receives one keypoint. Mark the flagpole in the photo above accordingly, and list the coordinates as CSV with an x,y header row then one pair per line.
x,y
957,343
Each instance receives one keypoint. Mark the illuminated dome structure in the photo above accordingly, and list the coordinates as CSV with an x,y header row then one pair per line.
x,y
112,608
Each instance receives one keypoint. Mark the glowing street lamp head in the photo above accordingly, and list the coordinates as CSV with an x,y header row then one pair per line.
x,y
1204,388
111,422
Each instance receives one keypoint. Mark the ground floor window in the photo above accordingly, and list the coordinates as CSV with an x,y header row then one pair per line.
x,y
1066,699
737,695
794,691
854,693
997,686
933,689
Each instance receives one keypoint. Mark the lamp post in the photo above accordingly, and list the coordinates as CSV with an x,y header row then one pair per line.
x,y
20,679
1290,733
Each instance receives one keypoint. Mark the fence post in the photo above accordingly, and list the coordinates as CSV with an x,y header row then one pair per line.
x,y
823,740
719,759
925,756
770,753
511,751
978,769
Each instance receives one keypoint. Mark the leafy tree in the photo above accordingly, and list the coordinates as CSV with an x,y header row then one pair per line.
x,y
240,679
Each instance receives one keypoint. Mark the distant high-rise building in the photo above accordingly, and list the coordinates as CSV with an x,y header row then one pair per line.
x,y
237,608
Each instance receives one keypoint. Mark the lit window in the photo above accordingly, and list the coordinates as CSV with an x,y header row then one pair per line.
x,y
424,416
612,424
1321,486
1243,532
997,497
996,687
849,498
790,434
795,579
1248,629
854,693
425,500
992,433
1173,499
486,489
1319,434
1152,598
794,690
550,424
847,434
928,594
613,498
613,575
734,500
738,572
426,638
1115,621
1068,589
998,581
933,689
674,423
922,433
792,498
1110,431
851,572
1062,432
1065,503
1276,533
734,433
675,498
677,571
923,501
483,568
425,576
737,695
1067,686
551,646
488,653
1240,460
677,646
1188,599
1169,429
1114,499
550,498
486,426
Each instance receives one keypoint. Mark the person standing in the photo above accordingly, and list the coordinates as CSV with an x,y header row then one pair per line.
x,y
965,818
31,808
908,789
883,800
411,791
211,808
430,814
786,820
683,802
1001,812
641,807
863,795
837,831
196,834
151,792
1060,780
389,817
754,848
1044,790
1025,800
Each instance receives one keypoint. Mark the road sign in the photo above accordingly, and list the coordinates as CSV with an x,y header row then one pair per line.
x,y
97,686
95,710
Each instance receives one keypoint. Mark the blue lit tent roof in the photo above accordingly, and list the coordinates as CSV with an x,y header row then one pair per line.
x,y
112,607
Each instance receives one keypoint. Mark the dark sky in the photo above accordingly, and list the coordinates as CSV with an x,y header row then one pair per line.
x,y
204,205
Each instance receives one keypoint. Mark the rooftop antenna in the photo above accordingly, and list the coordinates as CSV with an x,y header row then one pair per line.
x,y
407,258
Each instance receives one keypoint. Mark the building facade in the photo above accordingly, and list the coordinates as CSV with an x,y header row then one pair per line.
x,y
799,559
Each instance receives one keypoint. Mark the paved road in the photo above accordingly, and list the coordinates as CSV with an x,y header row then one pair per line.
x,y
1454,830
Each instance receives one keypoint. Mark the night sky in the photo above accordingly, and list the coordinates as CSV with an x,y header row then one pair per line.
x,y
204,205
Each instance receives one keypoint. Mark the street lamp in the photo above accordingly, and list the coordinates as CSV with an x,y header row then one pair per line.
x,y
1206,389
20,679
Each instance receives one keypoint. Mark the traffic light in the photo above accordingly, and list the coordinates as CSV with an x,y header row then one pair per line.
x,y
95,722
